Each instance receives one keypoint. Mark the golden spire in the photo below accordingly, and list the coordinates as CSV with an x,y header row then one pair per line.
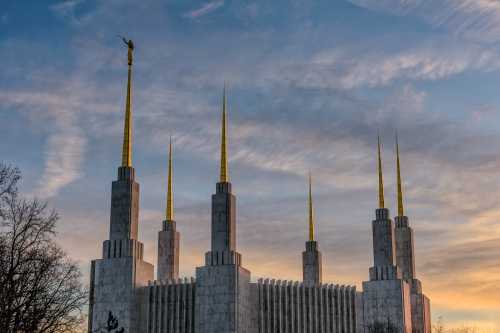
x,y
170,196
380,178
224,171
311,211
400,190
127,131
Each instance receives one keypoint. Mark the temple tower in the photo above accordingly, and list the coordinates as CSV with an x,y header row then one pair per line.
x,y
168,237
405,259
405,250
386,297
311,258
223,300
223,201
114,277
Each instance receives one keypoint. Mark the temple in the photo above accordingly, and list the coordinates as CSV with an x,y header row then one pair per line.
x,y
223,297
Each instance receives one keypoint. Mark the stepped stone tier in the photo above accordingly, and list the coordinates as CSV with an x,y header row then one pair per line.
x,y
223,297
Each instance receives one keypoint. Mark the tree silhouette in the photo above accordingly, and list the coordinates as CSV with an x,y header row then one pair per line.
x,y
40,286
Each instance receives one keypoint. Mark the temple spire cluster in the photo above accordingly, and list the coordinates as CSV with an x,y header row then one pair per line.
x,y
223,297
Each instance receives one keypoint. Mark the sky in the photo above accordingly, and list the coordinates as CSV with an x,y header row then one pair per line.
x,y
310,83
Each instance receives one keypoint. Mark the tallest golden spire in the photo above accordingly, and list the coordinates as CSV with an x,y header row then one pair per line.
x,y
400,189
224,171
127,131
380,177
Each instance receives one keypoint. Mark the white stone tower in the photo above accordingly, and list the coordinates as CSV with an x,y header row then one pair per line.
x,y
404,234
168,237
223,300
114,277
405,259
386,297
312,265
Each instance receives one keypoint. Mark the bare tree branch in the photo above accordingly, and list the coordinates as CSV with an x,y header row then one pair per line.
x,y
9,177
40,287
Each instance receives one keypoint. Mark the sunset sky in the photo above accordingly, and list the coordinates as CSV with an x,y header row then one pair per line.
x,y
309,85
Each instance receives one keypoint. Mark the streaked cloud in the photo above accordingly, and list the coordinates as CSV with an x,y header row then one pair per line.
x,y
339,69
64,154
67,10
474,19
205,9
66,143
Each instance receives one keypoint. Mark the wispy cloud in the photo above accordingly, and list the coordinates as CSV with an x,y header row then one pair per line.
x,y
66,7
475,19
205,9
63,158
67,10
344,70
66,143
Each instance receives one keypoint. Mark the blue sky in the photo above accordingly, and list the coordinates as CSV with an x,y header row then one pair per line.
x,y
310,84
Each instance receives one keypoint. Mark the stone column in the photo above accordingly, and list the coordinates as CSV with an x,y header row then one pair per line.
x,y
223,219
384,253
168,252
124,205
405,251
312,266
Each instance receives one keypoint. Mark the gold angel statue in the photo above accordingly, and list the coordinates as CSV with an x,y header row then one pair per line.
x,y
130,46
